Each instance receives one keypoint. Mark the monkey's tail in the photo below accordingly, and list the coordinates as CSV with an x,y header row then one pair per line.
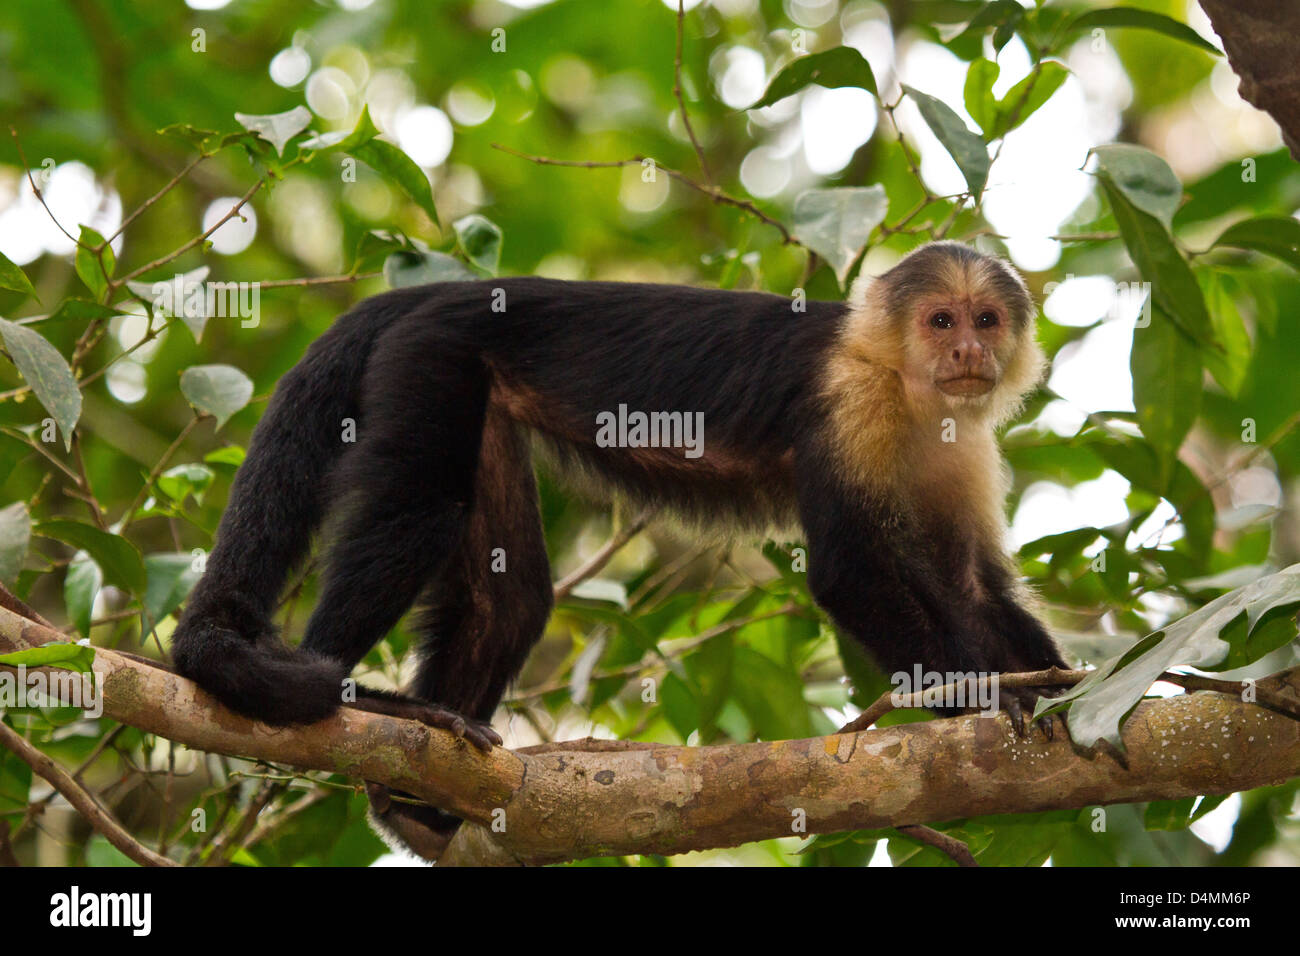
x,y
225,641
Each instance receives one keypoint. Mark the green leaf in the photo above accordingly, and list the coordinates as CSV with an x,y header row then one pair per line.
x,y
1173,286
1144,178
1138,461
362,133
182,480
220,390
966,148
101,853
13,278
1166,367
679,706
80,587
88,265
374,247
1024,99
1229,366
12,451
277,128
232,455
1144,20
1179,814
15,535
15,782
184,296
1005,15
1277,236
73,657
978,94
710,669
842,66
771,696
45,370
1101,701
390,162
480,240
82,311
171,578
836,223
116,557
196,137
403,269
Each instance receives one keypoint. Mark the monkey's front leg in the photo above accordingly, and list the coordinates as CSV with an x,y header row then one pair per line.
x,y
863,571
477,732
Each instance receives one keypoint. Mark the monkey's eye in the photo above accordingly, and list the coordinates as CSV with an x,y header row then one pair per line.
x,y
987,320
941,320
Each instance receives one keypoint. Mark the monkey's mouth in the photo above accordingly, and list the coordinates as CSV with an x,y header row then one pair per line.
x,y
966,385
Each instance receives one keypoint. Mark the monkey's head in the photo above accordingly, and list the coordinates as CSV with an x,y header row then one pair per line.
x,y
958,327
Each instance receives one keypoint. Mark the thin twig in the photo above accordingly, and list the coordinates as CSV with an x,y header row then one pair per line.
x,y
171,184
890,701
629,670
232,840
713,192
953,847
177,253
82,800
602,557
681,101
22,158
157,469
318,280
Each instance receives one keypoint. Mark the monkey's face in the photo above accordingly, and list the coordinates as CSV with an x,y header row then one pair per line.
x,y
961,344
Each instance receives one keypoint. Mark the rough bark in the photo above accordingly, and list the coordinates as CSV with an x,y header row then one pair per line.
x,y
574,802
1260,38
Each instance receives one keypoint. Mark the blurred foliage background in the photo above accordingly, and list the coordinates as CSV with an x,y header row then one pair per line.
x,y
1153,472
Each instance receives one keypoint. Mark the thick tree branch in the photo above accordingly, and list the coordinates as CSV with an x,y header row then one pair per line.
x,y
563,804
1260,39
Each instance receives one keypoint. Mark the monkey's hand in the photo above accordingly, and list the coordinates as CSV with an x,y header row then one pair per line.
x,y
1018,701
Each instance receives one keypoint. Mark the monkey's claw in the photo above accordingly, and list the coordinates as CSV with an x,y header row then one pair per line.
x,y
477,732
1015,702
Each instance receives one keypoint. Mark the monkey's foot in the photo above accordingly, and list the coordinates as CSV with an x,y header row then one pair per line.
x,y
477,732
1016,701
405,825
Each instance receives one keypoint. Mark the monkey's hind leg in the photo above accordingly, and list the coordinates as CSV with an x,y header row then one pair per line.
x,y
406,490
486,610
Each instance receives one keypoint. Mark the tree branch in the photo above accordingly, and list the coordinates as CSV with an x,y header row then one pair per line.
x,y
564,804
1259,37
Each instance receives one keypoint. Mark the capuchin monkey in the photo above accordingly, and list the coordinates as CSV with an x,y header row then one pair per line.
x,y
869,422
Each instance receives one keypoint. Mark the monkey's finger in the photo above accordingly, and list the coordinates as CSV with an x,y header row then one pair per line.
x,y
1012,706
480,735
